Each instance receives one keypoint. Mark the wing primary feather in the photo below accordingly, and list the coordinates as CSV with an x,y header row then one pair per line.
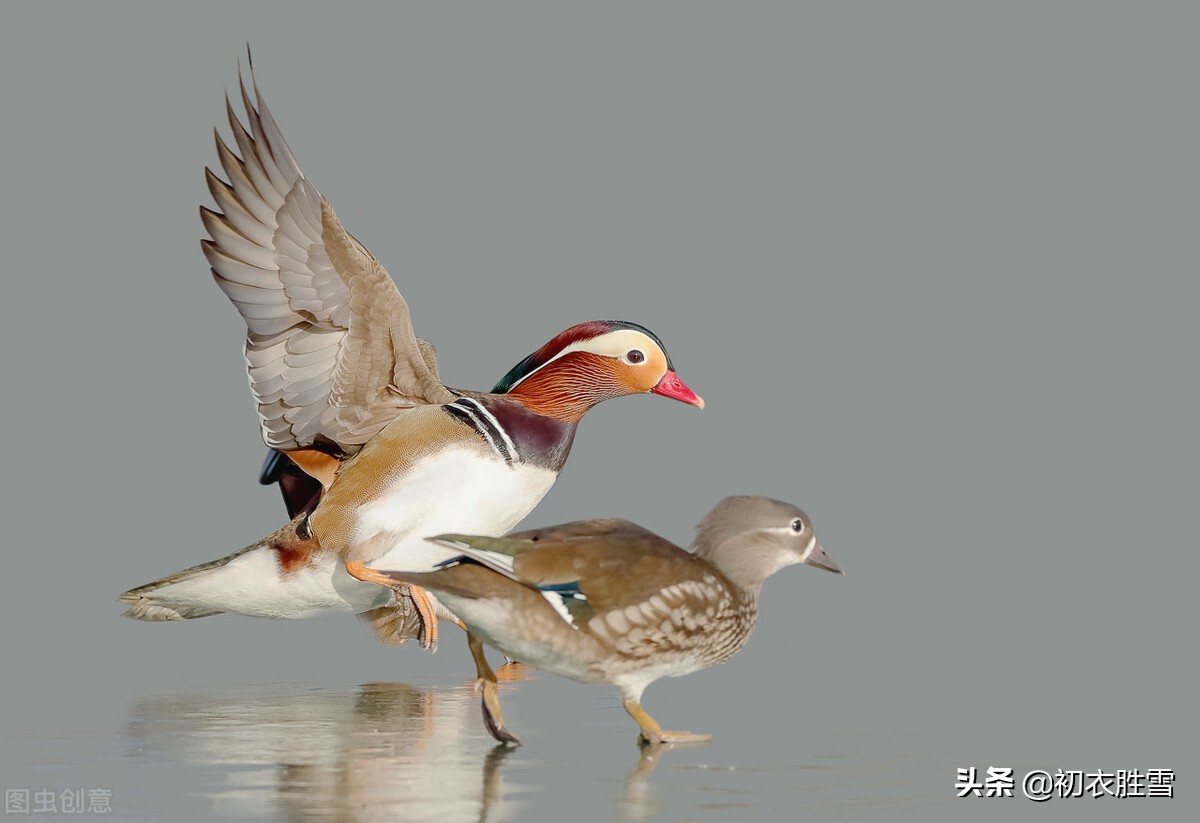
x,y
261,150
234,213
234,242
276,142
240,178
251,163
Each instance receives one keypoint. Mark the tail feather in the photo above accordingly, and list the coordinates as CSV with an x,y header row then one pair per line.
x,y
145,602
165,600
143,608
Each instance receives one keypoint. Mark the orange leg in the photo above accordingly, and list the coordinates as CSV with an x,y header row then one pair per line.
x,y
420,599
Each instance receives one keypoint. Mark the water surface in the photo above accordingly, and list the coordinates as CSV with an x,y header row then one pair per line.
x,y
392,750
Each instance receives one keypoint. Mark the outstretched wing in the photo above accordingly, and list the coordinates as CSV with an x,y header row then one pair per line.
x,y
330,349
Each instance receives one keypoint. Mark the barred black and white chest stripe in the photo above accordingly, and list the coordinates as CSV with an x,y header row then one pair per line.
x,y
473,413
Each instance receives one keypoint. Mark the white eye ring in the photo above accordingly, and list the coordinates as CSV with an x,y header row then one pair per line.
x,y
797,525
635,357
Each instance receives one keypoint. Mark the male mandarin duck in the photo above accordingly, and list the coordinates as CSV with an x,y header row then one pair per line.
x,y
607,601
353,398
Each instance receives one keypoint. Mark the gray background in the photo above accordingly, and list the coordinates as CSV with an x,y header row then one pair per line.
x,y
932,267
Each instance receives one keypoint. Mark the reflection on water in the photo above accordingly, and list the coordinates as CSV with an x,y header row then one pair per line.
x,y
382,751
639,800
393,751
379,751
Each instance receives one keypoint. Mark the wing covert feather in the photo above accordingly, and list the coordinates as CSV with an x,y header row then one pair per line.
x,y
615,563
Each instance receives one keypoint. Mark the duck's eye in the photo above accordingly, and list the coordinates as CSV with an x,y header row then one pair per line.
x,y
797,525
635,356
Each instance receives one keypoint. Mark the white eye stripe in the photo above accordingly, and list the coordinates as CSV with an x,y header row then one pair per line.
x,y
615,343
780,530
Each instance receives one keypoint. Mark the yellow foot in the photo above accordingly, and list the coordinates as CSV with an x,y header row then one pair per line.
x,y
428,637
676,738
652,734
493,718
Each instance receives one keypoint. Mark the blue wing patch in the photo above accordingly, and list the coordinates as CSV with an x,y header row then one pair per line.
x,y
564,590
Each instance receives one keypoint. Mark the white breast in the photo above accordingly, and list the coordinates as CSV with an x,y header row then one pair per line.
x,y
460,491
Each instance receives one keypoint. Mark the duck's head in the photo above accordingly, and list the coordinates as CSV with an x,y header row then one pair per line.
x,y
591,362
751,538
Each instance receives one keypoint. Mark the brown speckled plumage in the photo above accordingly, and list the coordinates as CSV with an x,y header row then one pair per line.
x,y
609,601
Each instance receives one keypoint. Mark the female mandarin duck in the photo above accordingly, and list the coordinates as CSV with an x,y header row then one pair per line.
x,y
606,601
353,398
